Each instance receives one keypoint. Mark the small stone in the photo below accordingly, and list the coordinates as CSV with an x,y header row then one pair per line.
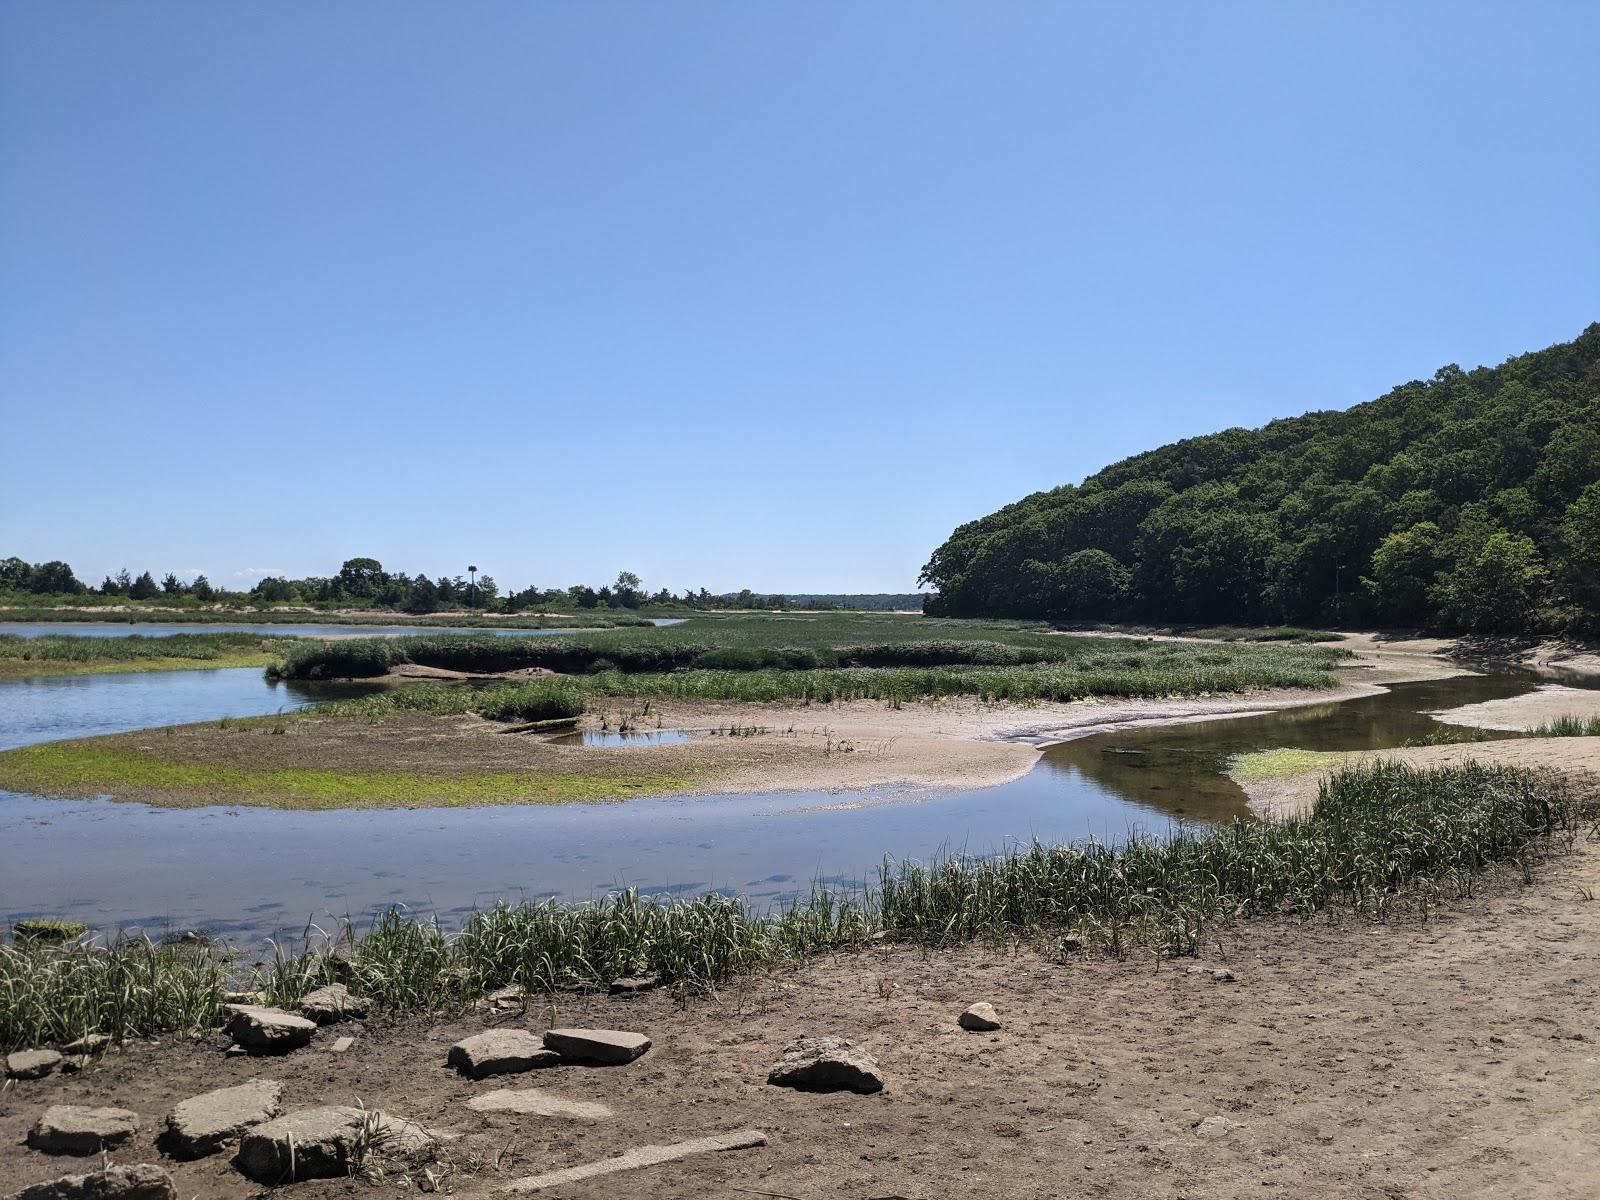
x,y
268,1030
74,1129
632,985
316,1143
509,996
32,1064
1072,944
534,1103
607,1047
332,1003
257,998
74,1063
1215,974
340,1045
142,1182
500,1052
826,1064
89,1043
200,1125
980,1018
1213,1128
235,1051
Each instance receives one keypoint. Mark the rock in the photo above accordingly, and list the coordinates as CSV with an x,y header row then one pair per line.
x,y
228,997
1072,944
1215,974
143,1182
74,1129
826,1064
332,1003
32,1064
500,1052
268,1030
1213,1128
319,1143
342,1044
608,1047
535,1103
200,1125
980,1018
74,1063
509,996
632,985
89,1043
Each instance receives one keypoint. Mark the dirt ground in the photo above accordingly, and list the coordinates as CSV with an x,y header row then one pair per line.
x,y
1453,1058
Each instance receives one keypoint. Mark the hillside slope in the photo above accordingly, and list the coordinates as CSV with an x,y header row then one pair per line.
x,y
1467,502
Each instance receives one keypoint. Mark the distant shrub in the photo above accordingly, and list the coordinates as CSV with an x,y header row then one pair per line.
x,y
344,658
764,658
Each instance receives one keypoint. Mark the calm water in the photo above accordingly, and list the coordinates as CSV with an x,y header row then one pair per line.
x,y
252,872
152,629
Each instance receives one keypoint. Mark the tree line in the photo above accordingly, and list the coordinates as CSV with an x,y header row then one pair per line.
x,y
365,582
1467,502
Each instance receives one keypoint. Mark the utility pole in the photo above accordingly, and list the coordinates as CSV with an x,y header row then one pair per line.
x,y
472,588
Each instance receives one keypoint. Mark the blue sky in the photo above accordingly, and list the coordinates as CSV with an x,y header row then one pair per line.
x,y
733,294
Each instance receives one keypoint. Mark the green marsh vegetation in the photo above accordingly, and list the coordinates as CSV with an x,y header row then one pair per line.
x,y
832,657
67,655
1381,839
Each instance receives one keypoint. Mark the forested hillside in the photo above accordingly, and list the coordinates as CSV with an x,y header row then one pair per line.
x,y
1468,502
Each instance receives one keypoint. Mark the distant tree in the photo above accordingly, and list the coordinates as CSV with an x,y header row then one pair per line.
x,y
273,589
445,587
584,596
202,589
16,575
1092,584
488,589
1495,587
423,597
1403,569
172,585
142,588
627,589
361,578
1580,534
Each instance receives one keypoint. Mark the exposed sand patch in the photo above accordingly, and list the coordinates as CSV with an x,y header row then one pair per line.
x,y
1529,711
1289,794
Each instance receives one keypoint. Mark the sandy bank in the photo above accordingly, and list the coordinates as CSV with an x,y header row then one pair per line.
x,y
1294,793
1539,707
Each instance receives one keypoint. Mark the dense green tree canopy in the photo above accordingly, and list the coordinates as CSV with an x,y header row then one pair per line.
x,y
1470,501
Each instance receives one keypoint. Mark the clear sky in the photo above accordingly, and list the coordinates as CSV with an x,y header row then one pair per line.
x,y
734,294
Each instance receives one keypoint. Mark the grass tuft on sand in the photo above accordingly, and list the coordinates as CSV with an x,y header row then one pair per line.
x,y
54,654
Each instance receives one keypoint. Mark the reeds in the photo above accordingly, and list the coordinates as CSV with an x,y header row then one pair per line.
x,y
1378,836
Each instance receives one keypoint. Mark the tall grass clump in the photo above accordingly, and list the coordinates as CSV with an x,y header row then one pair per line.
x,y
1568,726
50,993
536,700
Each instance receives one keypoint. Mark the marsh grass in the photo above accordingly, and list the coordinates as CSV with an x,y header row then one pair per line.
x,y
1379,837
1567,726
53,654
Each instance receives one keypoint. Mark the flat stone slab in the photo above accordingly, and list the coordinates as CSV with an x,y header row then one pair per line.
x,y
89,1043
268,1030
74,1129
340,1045
500,1052
332,1003
31,1064
316,1143
203,1124
609,1047
641,1156
145,1181
535,1103
826,1064
980,1018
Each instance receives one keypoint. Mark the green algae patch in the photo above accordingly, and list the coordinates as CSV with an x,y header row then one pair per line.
x,y
78,769
1280,764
